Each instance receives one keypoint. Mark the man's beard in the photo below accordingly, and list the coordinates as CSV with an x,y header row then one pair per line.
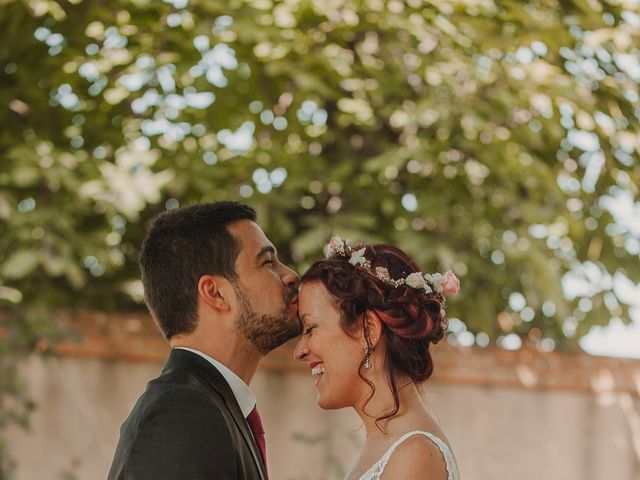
x,y
268,331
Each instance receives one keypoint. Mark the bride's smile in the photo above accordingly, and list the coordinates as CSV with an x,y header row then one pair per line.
x,y
316,368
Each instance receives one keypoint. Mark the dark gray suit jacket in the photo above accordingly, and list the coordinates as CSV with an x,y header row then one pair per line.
x,y
187,425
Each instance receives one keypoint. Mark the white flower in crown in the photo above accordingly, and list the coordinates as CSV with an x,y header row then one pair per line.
x,y
415,280
383,274
337,246
435,279
357,257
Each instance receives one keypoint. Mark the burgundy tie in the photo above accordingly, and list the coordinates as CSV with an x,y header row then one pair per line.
x,y
255,424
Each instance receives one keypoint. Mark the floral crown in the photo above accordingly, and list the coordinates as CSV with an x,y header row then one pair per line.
x,y
445,284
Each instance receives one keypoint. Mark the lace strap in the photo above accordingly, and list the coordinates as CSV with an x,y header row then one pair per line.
x,y
375,472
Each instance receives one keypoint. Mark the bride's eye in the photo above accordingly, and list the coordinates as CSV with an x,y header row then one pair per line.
x,y
307,330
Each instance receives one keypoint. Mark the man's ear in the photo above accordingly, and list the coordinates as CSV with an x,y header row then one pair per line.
x,y
372,329
213,291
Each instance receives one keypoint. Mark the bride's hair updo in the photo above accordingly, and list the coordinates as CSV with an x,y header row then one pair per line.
x,y
411,318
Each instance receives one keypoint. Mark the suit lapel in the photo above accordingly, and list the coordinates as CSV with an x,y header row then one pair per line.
x,y
212,377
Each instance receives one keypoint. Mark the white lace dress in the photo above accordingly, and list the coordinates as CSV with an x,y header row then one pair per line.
x,y
375,472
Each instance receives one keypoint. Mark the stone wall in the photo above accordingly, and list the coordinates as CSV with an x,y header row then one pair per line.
x,y
524,414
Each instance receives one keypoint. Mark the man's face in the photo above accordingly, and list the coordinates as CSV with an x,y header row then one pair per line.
x,y
266,290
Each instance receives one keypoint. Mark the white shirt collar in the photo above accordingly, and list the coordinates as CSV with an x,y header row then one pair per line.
x,y
245,397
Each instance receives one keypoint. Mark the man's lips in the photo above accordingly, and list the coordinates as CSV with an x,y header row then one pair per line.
x,y
293,305
292,297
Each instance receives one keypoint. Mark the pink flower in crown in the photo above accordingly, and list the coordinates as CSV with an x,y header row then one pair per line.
x,y
450,284
336,246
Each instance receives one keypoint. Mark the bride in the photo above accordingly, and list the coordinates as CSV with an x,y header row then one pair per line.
x,y
370,316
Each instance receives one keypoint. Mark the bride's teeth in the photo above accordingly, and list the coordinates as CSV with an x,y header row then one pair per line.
x,y
317,370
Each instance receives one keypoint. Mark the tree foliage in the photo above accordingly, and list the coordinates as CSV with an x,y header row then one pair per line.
x,y
499,139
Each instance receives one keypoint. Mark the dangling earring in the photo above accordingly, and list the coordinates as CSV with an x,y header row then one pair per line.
x,y
367,356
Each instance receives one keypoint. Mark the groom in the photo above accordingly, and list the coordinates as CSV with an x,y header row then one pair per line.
x,y
215,287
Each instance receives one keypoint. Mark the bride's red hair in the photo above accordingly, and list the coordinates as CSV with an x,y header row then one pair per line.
x,y
411,319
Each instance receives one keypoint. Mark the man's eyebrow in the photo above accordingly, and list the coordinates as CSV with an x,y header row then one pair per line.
x,y
264,250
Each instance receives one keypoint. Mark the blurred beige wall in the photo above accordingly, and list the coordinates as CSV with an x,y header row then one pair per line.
x,y
526,415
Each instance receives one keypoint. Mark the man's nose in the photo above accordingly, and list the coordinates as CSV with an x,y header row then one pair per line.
x,y
289,277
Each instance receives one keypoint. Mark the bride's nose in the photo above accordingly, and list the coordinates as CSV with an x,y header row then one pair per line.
x,y
301,351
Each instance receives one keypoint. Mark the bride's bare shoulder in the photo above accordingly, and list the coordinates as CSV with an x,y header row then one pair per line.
x,y
416,458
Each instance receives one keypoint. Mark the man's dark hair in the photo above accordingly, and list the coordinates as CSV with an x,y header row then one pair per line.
x,y
181,246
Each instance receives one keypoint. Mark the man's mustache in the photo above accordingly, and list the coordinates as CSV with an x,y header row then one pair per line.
x,y
291,294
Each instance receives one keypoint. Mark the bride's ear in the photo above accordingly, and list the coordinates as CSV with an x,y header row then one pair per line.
x,y
372,329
